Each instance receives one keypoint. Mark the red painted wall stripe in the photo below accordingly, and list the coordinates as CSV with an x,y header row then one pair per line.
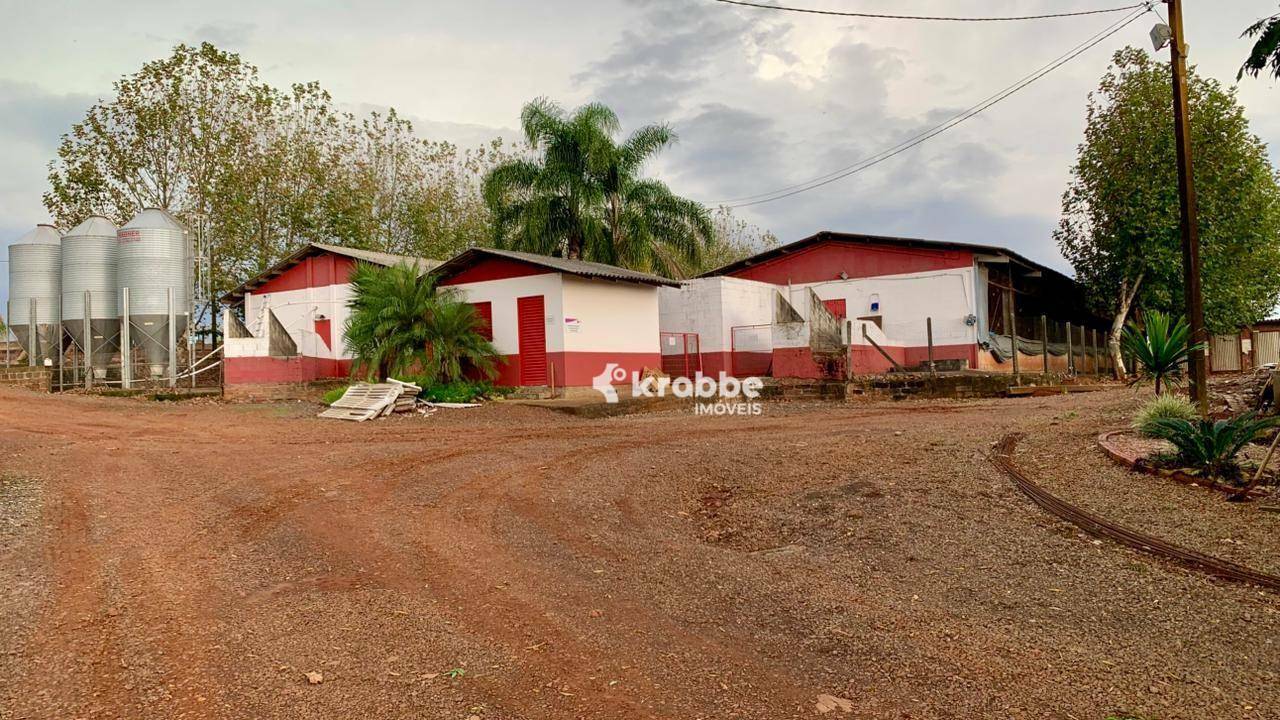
x,y
824,261
494,268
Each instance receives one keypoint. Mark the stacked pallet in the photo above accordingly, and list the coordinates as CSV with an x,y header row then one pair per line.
x,y
408,399
363,401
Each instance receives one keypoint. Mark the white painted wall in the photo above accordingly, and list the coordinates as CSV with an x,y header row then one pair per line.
x,y
297,310
712,306
503,293
602,315
948,296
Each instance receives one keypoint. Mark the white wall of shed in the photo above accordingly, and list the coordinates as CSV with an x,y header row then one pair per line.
x,y
608,316
502,295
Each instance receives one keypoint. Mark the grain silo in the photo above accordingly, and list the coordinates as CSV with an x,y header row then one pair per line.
x,y
34,278
154,277
89,274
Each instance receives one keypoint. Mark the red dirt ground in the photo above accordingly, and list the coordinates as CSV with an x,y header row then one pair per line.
x,y
196,560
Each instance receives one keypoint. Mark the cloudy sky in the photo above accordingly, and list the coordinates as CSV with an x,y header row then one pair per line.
x,y
760,99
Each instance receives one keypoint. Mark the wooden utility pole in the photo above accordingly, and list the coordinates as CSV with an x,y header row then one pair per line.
x,y
1187,206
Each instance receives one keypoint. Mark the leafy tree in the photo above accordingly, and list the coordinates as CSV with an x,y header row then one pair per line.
x,y
582,197
1120,218
1160,348
399,323
1265,55
732,240
261,170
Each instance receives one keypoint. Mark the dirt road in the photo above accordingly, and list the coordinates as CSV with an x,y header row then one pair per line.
x,y
199,560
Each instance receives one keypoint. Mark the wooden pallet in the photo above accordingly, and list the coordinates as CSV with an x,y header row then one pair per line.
x,y
364,402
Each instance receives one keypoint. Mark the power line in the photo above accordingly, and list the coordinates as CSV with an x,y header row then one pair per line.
x,y
936,130
885,16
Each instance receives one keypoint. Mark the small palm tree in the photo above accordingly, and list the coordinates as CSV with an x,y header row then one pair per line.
x,y
389,324
1211,445
583,197
455,342
400,323
1160,349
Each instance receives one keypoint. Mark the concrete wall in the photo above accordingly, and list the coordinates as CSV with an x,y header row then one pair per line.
x,y
711,307
502,294
298,310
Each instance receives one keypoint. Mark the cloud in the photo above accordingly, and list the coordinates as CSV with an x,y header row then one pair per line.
x,y
227,35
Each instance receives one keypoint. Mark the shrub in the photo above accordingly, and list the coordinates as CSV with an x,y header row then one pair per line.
x,y
334,395
459,392
1211,445
1164,406
1161,348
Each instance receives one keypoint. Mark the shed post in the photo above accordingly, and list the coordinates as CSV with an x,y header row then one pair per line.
x,y
1071,352
848,350
928,328
1044,343
1009,320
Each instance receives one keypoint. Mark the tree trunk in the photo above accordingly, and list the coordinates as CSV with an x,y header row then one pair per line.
x,y
1127,295
573,248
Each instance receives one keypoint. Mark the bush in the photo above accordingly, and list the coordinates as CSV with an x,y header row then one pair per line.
x,y
334,395
1211,446
461,391
1164,406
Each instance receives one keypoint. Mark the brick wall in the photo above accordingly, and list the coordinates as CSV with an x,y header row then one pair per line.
x,y
38,379
267,392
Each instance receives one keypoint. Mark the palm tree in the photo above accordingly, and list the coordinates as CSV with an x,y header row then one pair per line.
x,y
1160,349
455,342
583,197
400,323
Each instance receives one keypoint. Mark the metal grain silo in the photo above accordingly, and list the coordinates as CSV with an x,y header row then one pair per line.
x,y
34,277
155,259
89,252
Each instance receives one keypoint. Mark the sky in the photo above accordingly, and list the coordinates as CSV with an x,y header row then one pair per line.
x,y
759,99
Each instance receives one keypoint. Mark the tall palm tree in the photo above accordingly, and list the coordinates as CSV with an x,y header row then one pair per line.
x,y
583,197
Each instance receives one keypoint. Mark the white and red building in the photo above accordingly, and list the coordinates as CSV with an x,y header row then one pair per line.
x,y
558,322
294,314
774,313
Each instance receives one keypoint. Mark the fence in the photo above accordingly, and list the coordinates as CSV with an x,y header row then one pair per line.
x,y
681,354
751,350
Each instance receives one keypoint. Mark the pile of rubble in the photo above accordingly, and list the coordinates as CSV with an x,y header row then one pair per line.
x,y
1242,392
365,401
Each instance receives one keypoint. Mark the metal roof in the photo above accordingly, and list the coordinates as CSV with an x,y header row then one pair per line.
x,y
580,268
234,297
827,235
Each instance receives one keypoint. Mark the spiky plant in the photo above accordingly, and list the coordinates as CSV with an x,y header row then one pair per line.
x,y
1160,348
583,197
1211,445
1163,406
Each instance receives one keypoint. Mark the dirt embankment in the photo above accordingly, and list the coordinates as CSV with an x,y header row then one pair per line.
x,y
198,560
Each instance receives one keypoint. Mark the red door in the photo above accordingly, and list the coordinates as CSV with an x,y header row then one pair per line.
x,y
533,340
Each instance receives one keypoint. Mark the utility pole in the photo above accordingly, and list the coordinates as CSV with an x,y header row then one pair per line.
x,y
1187,206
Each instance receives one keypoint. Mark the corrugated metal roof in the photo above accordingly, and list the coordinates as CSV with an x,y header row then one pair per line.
x,y
236,296
580,268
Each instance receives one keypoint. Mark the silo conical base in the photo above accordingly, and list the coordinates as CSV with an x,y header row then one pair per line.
x,y
106,338
150,333
46,341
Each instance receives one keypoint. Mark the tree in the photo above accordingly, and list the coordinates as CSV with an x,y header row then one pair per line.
x,y
732,239
1265,54
1120,218
401,323
583,197
261,171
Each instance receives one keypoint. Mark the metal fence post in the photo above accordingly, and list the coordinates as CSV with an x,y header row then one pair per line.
x,y
1044,343
88,344
173,340
1011,321
126,342
1071,353
33,333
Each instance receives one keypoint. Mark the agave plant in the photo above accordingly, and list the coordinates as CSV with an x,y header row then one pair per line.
x,y
1160,349
1211,445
